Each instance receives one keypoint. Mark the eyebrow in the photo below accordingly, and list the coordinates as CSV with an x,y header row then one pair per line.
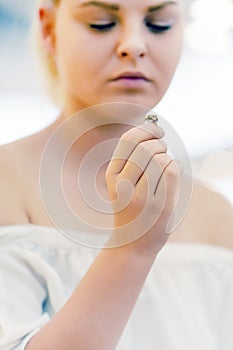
x,y
161,6
104,5
115,7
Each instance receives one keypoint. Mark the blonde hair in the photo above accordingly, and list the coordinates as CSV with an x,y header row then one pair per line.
x,y
46,60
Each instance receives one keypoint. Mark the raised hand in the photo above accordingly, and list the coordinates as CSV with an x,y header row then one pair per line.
x,y
142,181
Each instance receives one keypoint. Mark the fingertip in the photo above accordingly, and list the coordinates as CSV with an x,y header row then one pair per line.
x,y
161,130
179,165
154,129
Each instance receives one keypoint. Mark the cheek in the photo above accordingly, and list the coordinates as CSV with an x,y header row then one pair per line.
x,y
169,54
96,52
71,56
82,54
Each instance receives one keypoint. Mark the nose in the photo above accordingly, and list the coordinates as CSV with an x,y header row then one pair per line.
x,y
131,44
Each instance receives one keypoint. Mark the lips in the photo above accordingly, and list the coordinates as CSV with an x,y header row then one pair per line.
x,y
131,76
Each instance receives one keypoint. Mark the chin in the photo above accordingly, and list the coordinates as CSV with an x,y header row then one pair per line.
x,y
137,100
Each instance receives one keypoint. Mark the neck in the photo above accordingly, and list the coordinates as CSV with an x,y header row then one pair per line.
x,y
95,125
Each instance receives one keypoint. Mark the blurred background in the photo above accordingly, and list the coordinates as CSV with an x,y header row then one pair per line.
x,y
199,103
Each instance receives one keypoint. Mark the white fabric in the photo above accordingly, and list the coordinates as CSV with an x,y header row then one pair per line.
x,y
186,302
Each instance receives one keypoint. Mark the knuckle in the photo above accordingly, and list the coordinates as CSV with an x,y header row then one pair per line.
x,y
163,144
152,147
108,175
162,160
171,171
129,135
145,148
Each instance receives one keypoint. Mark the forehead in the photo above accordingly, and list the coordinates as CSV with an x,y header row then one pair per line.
x,y
117,5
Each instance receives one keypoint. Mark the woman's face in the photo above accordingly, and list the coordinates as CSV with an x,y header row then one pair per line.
x,y
118,51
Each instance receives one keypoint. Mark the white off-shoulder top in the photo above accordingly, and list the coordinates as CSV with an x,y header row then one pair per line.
x,y
186,301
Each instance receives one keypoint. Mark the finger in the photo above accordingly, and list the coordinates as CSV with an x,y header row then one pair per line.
x,y
129,141
153,172
174,209
140,158
167,190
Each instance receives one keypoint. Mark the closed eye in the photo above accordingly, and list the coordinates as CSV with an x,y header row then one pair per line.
x,y
156,28
102,27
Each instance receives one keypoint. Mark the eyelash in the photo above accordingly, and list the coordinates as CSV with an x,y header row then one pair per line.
x,y
158,29
102,27
154,28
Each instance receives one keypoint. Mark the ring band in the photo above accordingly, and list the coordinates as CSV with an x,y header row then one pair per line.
x,y
151,118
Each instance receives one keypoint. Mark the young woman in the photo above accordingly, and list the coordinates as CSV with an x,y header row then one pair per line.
x,y
56,294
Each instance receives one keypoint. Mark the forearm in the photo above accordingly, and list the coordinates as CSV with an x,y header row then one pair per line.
x,y
97,312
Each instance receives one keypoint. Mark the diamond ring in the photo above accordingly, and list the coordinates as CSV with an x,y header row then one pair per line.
x,y
151,118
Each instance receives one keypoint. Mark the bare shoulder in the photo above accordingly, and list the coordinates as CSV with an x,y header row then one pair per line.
x,y
212,213
18,161
11,209
220,215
